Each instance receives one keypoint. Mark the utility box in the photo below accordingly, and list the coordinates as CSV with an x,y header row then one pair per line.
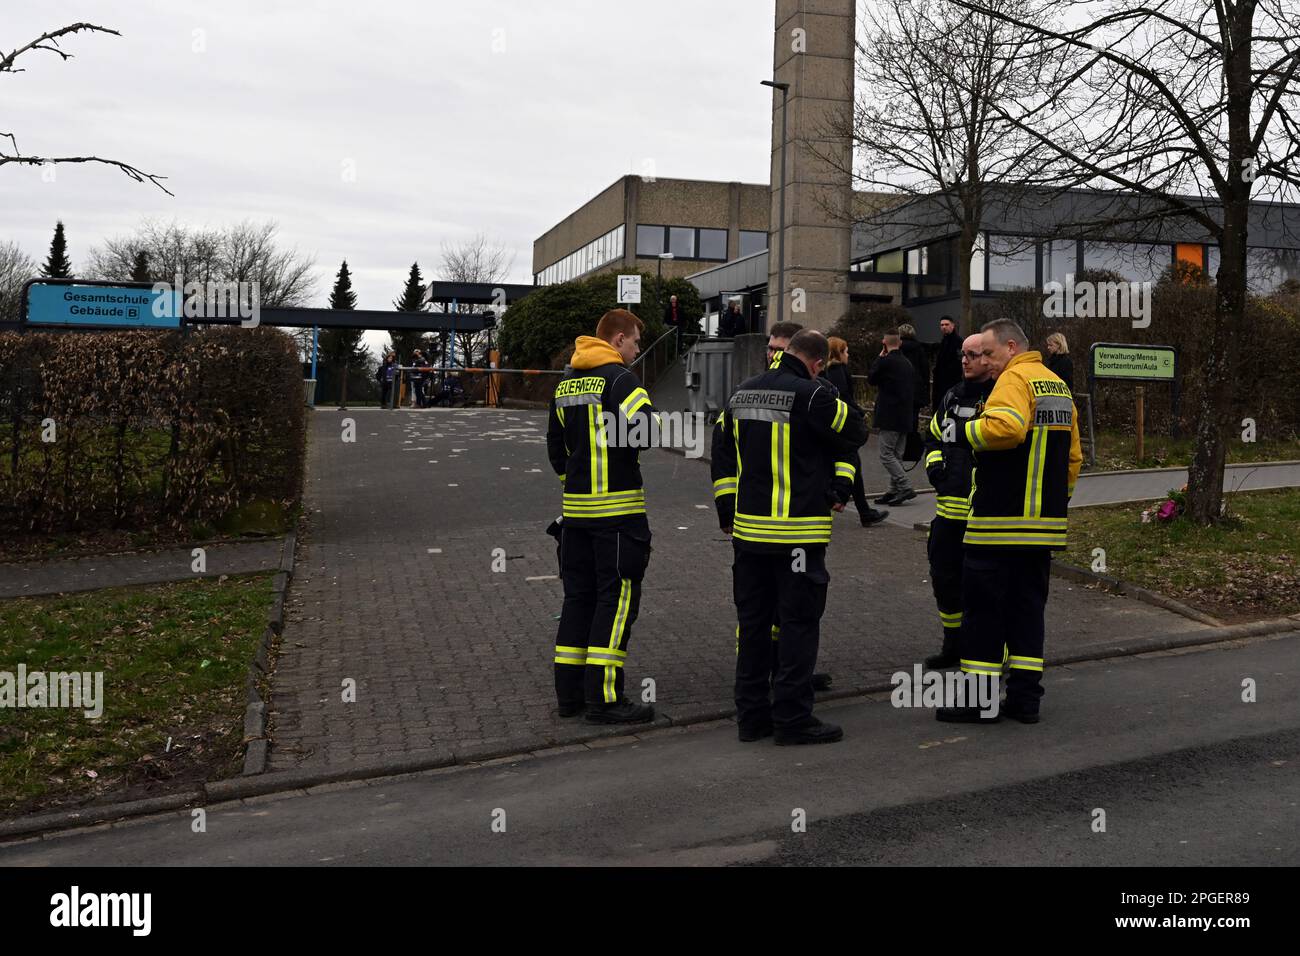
x,y
708,376
310,387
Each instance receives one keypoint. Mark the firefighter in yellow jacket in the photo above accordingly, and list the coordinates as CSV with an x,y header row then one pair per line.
x,y
1027,460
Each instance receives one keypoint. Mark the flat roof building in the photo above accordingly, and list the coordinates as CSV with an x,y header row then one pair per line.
x,y
635,220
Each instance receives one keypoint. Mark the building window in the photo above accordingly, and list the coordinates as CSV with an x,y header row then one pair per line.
x,y
752,242
977,264
1060,258
650,240
890,261
713,244
1013,263
1266,269
595,254
1133,261
681,242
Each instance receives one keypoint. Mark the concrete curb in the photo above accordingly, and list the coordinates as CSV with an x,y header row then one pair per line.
x,y
1117,586
257,745
1154,471
590,738
87,816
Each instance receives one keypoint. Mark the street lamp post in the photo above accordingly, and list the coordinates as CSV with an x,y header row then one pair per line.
x,y
780,239
659,289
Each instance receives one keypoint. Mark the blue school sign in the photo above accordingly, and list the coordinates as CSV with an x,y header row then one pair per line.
x,y
99,305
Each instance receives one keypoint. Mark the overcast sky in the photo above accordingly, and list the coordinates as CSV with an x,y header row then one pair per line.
x,y
500,116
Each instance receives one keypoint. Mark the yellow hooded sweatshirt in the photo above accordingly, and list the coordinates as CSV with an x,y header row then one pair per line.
x,y
591,352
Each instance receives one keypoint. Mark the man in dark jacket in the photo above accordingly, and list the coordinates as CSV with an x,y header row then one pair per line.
x,y
674,319
915,353
895,417
781,464
387,375
949,464
732,322
947,362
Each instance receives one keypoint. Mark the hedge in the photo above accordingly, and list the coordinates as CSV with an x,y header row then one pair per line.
x,y
137,430
536,330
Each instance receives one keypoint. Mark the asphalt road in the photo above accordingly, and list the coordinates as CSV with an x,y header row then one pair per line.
x,y
1186,771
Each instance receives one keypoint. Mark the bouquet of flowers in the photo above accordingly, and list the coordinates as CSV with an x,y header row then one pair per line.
x,y
1169,509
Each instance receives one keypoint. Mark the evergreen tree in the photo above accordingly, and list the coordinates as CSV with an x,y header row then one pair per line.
x,y
342,348
57,266
405,341
140,270
342,296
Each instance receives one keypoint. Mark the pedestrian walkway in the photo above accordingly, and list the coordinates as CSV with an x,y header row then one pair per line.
x,y
1117,487
426,578
69,575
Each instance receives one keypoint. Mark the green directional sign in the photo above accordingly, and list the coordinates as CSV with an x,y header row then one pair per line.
x,y
1136,363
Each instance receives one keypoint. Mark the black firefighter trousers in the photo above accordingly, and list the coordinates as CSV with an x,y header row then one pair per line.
x,y
947,555
787,586
1004,591
602,569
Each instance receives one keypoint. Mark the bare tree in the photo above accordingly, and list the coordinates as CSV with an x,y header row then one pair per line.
x,y
479,259
49,42
244,252
16,268
1191,107
925,125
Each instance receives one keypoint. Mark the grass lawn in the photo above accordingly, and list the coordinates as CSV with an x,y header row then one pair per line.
x,y
174,659
1117,451
1247,568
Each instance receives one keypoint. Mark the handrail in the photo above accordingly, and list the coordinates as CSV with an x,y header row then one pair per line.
x,y
653,345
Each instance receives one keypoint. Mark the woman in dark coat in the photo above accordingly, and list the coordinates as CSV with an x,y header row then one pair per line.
x,y
837,373
1058,359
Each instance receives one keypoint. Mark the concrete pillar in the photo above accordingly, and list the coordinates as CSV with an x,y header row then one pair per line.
x,y
814,51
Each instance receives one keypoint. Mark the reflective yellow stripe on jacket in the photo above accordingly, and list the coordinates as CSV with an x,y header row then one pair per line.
x,y
609,504
766,529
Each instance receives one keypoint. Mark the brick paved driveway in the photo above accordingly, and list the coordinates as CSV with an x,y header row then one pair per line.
x,y
395,589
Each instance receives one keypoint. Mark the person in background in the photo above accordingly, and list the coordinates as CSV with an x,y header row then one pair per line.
x,y
837,373
387,375
673,318
1059,362
949,464
947,362
915,353
895,381
732,322
418,378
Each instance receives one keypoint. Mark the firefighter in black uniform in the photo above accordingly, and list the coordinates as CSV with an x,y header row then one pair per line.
x,y
1027,460
599,419
782,463
948,463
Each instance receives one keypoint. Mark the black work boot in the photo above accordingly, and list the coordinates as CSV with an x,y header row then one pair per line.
x,y
965,715
757,732
572,710
874,516
947,657
1020,712
821,681
621,713
813,733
